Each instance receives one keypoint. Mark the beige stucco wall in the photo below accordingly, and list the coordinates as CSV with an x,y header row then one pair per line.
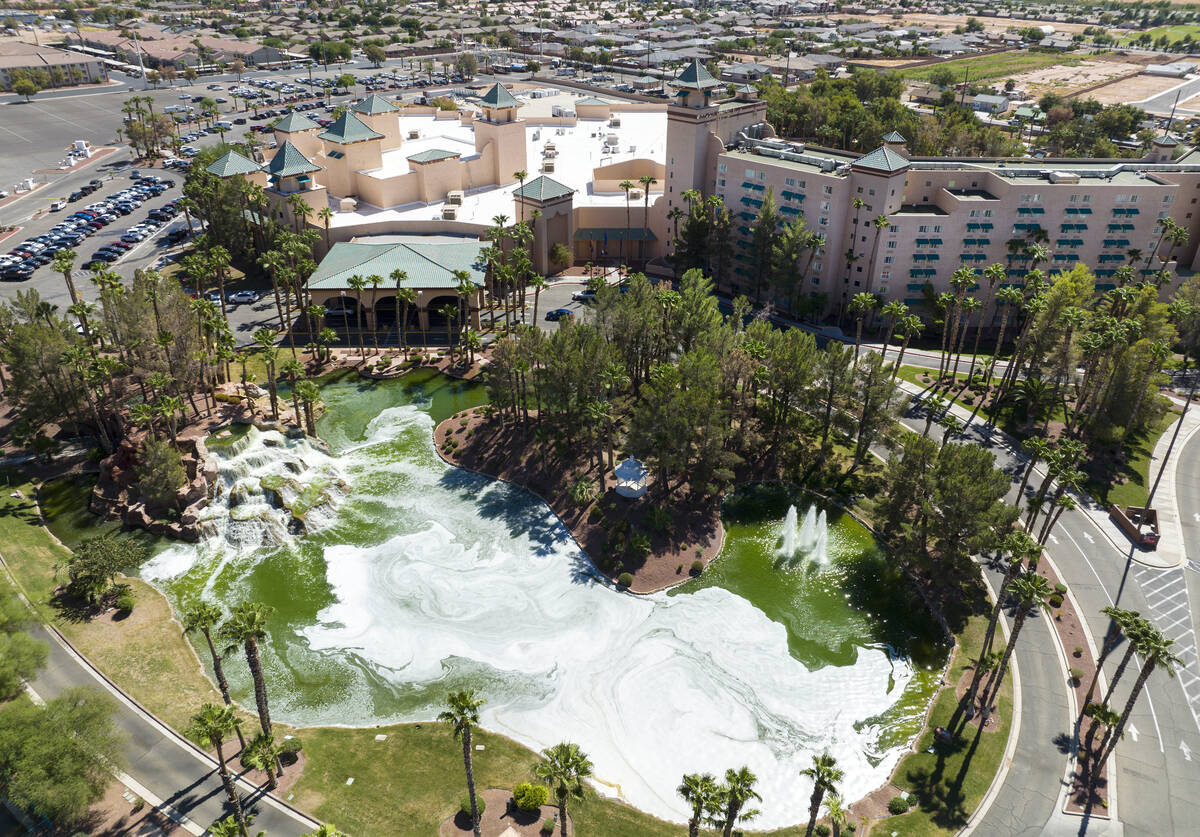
x,y
609,178
307,141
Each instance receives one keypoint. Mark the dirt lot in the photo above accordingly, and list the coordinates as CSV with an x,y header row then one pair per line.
x,y
1066,80
1132,89
948,22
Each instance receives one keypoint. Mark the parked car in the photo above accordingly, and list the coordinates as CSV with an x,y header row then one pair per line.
x,y
244,297
583,296
58,206
559,314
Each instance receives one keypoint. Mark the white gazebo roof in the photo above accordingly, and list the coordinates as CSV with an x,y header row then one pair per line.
x,y
630,471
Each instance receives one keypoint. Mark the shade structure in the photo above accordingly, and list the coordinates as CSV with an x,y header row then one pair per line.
x,y
631,478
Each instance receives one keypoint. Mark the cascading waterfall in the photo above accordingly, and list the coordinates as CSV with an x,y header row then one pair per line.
x,y
806,542
270,487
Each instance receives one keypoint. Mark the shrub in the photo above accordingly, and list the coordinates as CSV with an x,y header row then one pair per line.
x,y
289,750
823,830
1056,600
969,400
1078,652
660,519
1076,676
125,600
639,544
595,515
625,579
530,796
697,567
547,826
465,805
898,805
1060,588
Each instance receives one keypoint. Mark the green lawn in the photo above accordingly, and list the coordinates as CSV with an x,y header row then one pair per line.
x,y
987,67
1172,33
1128,484
950,784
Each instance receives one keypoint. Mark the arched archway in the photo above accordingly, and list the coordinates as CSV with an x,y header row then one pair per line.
x,y
343,312
437,321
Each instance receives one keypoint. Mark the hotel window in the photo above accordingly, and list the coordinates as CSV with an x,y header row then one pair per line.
x,y
762,175
801,184
829,190
987,213
860,190
823,221
871,192
1087,198
1074,198
1134,198
885,275
750,173
1120,198
825,205
891,245
818,267
720,181
937,228
721,167
923,228
889,259
974,213
1168,199
790,181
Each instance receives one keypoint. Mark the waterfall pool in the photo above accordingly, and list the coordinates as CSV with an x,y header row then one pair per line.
x,y
415,578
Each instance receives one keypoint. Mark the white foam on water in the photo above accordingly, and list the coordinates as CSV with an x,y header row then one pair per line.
x,y
650,687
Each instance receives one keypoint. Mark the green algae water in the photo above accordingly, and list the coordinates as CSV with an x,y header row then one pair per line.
x,y
407,578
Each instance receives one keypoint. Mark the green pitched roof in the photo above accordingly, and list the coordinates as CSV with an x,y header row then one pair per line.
x,y
499,97
592,100
429,261
433,155
289,161
895,136
1167,140
233,163
294,122
349,128
882,159
695,76
373,104
543,189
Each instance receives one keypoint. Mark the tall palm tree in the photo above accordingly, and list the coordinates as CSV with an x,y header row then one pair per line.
x,y
520,176
204,617
859,306
1157,652
911,326
326,216
246,625
450,313
210,726
358,284
64,263
647,181
703,794
1119,622
880,224
264,754
893,312
564,767
825,775
1031,591
626,186
463,716
738,790
375,280
1159,352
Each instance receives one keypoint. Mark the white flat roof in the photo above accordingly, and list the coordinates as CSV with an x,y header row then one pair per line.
x,y
580,149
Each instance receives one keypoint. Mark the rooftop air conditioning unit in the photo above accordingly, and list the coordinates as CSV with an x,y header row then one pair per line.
x,y
414,134
615,122
635,194
454,198
449,213
548,167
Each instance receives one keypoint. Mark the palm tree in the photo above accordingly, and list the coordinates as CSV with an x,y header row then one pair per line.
x,y
449,312
1032,396
839,817
463,716
1032,591
375,280
520,176
911,326
326,216
64,263
825,775
246,625
1156,649
309,394
358,284
880,224
647,181
263,754
1159,352
326,830
210,726
564,767
625,186
858,308
738,790
539,283
203,617
1119,622
894,311
701,792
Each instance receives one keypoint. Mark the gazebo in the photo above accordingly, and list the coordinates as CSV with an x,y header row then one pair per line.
x,y
631,478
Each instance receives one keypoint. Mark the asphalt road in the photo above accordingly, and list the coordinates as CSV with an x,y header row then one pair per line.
x,y
177,773
1158,785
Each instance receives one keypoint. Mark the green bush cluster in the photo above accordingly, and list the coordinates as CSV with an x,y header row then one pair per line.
x,y
125,600
465,805
625,579
898,805
530,796
697,567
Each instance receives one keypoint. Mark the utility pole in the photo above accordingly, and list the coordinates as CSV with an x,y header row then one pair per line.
x,y
137,45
